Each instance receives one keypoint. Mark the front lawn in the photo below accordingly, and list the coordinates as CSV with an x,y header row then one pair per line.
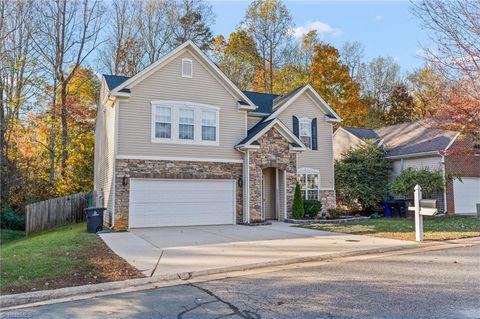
x,y
435,228
7,235
61,257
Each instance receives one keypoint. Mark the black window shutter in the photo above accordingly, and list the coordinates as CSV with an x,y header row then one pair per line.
x,y
314,134
295,125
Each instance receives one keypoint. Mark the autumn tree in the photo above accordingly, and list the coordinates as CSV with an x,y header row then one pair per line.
x,y
67,33
238,58
296,69
426,86
269,23
332,81
400,106
192,22
454,27
122,52
352,55
17,84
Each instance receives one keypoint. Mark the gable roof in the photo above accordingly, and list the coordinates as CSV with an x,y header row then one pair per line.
x,y
264,126
282,103
115,80
263,101
132,81
408,138
363,133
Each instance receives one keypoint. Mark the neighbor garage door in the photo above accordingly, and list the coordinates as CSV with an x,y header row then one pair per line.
x,y
157,202
466,195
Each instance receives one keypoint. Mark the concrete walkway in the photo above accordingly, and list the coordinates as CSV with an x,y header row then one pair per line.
x,y
171,250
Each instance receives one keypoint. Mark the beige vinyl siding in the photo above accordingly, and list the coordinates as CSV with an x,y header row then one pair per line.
x,y
343,142
251,121
104,159
135,117
430,162
322,159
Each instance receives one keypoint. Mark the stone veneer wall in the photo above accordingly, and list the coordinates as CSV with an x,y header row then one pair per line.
x,y
274,152
170,170
328,199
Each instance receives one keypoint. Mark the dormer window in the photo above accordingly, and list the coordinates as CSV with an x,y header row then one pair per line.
x,y
305,131
187,69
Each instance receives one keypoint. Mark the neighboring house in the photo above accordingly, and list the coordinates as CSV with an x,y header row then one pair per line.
x,y
417,145
179,144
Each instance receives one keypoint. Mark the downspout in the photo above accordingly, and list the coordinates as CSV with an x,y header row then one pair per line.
x,y
445,184
246,187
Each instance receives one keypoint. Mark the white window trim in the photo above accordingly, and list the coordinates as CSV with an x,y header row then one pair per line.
x,y
191,69
175,106
309,171
305,120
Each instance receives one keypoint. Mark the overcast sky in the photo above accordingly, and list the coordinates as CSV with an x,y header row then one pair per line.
x,y
385,28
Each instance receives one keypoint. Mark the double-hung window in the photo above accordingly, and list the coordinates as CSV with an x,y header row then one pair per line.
x,y
305,131
176,122
163,122
209,126
186,124
309,183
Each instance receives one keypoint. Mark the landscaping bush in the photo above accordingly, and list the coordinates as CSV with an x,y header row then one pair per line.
x,y
335,213
298,211
11,220
312,207
430,181
361,176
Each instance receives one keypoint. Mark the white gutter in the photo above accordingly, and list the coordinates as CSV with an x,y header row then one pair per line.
x,y
414,155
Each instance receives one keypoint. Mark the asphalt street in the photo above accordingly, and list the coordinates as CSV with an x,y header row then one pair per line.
x,y
434,284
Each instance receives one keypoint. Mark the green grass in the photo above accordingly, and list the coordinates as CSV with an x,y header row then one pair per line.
x,y
435,228
7,235
44,256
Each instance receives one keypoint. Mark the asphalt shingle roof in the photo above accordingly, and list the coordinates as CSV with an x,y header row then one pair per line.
x,y
254,130
363,133
115,80
264,101
408,138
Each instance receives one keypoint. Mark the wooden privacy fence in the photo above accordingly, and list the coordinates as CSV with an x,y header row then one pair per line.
x,y
57,211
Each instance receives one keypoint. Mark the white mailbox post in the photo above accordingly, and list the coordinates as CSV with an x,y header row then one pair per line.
x,y
422,207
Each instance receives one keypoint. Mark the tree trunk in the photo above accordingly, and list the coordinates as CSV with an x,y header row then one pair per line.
x,y
53,119
63,97
271,69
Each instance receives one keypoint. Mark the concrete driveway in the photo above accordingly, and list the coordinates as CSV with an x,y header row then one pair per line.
x,y
172,250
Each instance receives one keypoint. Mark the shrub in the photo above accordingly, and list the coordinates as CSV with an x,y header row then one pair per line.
x,y
298,211
336,213
430,181
361,176
312,207
11,220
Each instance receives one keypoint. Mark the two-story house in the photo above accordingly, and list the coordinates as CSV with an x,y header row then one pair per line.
x,y
179,144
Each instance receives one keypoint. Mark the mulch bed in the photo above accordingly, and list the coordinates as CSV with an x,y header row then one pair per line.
x,y
102,265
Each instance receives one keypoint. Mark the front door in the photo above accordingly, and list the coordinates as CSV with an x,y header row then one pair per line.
x,y
269,193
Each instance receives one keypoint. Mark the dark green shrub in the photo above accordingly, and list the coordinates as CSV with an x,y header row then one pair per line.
x,y
312,207
361,176
336,213
430,181
298,211
11,220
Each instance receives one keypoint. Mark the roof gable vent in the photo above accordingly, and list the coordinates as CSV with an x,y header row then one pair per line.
x,y
187,69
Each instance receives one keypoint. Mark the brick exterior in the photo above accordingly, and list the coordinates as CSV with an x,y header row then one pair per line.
x,y
170,170
274,152
461,162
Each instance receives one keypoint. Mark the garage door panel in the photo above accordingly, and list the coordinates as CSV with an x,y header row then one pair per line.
x,y
466,195
156,202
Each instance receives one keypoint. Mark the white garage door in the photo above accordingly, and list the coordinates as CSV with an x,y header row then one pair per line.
x,y
157,202
466,195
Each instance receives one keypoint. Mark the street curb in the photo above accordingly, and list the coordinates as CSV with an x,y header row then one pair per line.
x,y
45,295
